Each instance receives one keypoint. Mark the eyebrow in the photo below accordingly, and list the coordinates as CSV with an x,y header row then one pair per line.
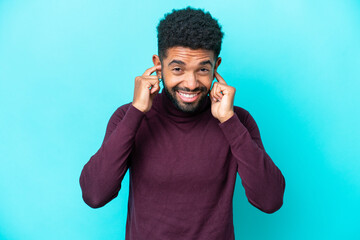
x,y
176,62
206,62
182,63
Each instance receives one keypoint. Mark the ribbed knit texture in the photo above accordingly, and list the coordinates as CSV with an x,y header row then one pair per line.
x,y
182,171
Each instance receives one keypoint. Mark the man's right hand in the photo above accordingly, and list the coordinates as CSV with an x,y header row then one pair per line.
x,y
146,88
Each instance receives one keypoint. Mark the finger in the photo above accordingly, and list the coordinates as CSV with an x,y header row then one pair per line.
x,y
213,91
213,98
211,95
219,78
150,83
145,80
217,91
150,78
155,88
149,71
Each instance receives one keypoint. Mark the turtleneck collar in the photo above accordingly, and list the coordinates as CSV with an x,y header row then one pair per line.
x,y
163,104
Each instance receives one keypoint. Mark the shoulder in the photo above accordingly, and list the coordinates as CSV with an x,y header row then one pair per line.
x,y
119,113
122,109
241,113
245,118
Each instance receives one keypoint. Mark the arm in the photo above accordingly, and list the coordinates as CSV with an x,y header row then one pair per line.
x,y
263,182
101,177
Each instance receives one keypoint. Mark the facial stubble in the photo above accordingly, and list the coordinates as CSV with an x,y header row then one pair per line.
x,y
184,106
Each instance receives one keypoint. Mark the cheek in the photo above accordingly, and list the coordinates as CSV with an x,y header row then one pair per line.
x,y
170,80
206,81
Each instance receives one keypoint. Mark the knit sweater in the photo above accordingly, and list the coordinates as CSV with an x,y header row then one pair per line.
x,y
182,171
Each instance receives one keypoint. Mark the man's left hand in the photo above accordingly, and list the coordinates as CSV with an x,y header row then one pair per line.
x,y
222,99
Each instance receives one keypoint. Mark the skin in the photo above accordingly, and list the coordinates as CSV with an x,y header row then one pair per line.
x,y
186,71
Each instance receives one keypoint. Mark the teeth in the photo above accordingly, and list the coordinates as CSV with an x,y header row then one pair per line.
x,y
187,95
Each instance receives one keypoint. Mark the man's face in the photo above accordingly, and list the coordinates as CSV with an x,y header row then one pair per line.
x,y
187,76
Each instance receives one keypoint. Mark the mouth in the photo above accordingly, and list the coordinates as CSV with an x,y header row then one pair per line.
x,y
188,97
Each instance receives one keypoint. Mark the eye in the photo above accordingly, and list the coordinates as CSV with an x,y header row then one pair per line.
x,y
204,71
177,69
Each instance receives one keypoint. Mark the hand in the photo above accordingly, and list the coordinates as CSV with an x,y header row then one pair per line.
x,y
222,99
146,88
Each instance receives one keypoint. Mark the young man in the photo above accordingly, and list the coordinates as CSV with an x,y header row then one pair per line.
x,y
184,146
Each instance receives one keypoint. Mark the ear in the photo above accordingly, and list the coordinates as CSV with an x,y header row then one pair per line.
x,y
157,62
217,63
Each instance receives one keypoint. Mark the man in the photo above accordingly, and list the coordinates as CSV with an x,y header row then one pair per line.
x,y
184,146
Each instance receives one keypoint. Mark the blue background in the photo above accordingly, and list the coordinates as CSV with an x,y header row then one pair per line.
x,y
65,66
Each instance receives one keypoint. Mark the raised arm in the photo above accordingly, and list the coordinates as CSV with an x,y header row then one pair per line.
x,y
101,177
263,181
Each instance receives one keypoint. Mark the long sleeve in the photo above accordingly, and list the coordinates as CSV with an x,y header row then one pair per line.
x,y
263,182
101,177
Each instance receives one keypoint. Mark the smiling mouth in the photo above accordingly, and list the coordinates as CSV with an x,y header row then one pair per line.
x,y
188,97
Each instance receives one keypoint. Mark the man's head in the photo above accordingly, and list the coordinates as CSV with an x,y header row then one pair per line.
x,y
192,28
189,43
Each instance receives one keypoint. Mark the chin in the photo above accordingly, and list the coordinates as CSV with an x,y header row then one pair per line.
x,y
186,107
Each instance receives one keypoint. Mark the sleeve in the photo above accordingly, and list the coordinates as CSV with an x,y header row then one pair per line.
x,y
263,182
101,177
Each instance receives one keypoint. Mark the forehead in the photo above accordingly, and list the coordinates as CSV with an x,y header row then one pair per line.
x,y
188,55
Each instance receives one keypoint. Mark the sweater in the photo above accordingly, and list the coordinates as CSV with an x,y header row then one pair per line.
x,y
182,171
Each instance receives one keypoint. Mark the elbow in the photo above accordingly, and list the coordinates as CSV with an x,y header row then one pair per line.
x,y
268,206
270,201
99,184
97,196
97,200
276,198
275,202
92,201
273,207
89,195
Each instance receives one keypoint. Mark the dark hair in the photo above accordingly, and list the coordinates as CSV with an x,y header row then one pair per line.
x,y
191,28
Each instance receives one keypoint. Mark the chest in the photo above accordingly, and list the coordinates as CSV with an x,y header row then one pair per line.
x,y
172,155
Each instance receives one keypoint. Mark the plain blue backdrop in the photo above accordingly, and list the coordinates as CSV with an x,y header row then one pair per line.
x,y
65,66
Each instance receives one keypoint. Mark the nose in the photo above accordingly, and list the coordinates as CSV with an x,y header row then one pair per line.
x,y
191,81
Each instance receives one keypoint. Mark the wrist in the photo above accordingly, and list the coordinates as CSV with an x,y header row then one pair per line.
x,y
139,107
226,117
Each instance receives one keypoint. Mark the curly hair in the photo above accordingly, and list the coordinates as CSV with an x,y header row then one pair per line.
x,y
191,28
